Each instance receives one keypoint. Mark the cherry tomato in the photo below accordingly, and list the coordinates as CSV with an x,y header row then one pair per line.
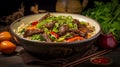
x,y
5,35
7,47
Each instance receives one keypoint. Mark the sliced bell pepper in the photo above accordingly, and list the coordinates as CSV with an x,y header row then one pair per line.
x,y
31,27
75,39
54,34
34,23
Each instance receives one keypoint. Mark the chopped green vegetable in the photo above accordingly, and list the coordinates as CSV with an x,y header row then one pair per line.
x,y
64,37
84,23
55,28
22,30
68,35
46,30
37,37
52,37
60,39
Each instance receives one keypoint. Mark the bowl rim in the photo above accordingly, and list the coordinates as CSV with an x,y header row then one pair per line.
x,y
75,42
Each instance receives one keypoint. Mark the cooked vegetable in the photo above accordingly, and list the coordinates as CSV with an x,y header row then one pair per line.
x,y
37,37
54,34
52,28
34,23
74,39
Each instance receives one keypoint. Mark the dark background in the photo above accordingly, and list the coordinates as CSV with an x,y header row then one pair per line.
x,y
9,6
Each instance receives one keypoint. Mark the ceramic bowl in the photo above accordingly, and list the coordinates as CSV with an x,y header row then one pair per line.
x,y
57,49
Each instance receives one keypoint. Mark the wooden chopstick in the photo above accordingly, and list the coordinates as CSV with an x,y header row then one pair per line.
x,y
76,62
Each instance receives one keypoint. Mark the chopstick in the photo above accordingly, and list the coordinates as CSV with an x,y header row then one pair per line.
x,y
76,62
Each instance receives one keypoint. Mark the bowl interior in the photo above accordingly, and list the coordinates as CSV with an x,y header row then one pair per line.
x,y
30,18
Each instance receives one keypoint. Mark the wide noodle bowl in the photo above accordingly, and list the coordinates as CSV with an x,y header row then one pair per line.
x,y
52,28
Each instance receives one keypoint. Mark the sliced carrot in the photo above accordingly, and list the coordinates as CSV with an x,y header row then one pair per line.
x,y
75,38
31,27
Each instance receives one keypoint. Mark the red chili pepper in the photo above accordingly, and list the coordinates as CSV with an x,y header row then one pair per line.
x,y
75,38
55,34
34,23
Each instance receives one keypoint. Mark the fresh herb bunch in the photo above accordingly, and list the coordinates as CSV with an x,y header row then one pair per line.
x,y
108,15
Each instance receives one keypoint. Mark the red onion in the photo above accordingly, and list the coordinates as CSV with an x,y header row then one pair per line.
x,y
107,41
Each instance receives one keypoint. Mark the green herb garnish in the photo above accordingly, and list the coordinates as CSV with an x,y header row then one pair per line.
x,y
108,15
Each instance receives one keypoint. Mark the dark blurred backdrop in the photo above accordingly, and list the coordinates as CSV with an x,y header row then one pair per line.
x,y
9,6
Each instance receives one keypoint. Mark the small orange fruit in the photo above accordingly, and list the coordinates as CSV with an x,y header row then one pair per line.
x,y
5,35
7,47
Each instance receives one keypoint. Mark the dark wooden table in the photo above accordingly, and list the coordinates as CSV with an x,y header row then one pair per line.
x,y
16,61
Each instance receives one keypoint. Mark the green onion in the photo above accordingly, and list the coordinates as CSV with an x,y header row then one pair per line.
x,y
37,37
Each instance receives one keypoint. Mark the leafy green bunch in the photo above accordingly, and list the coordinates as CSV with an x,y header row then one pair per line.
x,y
108,15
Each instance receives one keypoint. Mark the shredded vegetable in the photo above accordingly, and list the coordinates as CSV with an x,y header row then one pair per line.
x,y
61,28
